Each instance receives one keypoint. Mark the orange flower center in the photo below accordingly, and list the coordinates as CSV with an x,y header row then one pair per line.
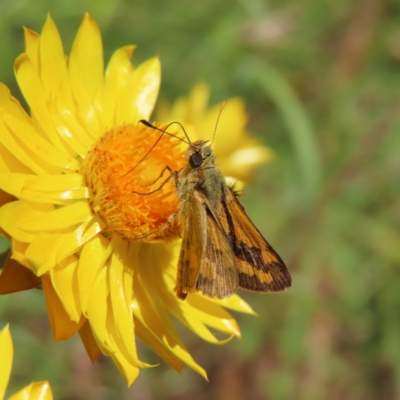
x,y
121,168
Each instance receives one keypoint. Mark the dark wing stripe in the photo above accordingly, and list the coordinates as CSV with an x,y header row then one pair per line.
x,y
257,260
252,255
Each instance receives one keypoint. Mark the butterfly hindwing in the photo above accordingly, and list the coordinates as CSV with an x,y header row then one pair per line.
x,y
260,267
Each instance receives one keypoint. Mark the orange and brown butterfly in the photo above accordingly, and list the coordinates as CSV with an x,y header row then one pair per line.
x,y
221,250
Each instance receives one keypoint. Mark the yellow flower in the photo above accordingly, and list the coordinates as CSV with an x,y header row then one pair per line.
x,y
237,153
34,391
68,173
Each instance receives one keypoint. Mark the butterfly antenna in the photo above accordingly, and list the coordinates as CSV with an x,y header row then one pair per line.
x,y
163,131
148,124
219,114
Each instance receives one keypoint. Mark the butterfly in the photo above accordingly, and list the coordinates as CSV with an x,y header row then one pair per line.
x,y
222,250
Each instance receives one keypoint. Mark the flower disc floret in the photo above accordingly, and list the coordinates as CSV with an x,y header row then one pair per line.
x,y
123,172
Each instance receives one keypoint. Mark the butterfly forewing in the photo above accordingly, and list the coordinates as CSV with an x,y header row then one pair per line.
x,y
194,237
218,270
206,262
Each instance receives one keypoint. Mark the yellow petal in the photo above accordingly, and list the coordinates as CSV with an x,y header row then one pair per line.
x,y
166,349
86,59
92,259
60,218
236,303
97,313
42,251
160,333
191,110
35,391
53,69
118,272
65,111
48,249
34,93
7,354
61,324
74,142
213,315
9,163
37,148
137,100
13,183
103,325
127,369
18,252
10,143
57,198
65,284
118,70
54,182
128,278
54,189
164,298
86,73
198,101
32,43
184,314
79,237
13,215
242,162
10,105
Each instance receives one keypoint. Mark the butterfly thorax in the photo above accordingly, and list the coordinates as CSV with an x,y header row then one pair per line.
x,y
201,176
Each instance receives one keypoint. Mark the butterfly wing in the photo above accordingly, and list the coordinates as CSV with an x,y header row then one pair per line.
x,y
260,267
206,262
218,270
194,237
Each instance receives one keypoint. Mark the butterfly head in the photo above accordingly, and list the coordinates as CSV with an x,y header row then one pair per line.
x,y
199,154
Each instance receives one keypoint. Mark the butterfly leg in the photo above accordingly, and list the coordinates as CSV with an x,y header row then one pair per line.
x,y
160,176
173,174
162,232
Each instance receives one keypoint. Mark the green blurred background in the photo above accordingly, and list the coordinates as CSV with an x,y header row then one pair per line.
x,y
320,79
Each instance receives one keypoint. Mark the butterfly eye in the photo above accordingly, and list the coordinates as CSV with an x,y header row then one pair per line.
x,y
196,160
